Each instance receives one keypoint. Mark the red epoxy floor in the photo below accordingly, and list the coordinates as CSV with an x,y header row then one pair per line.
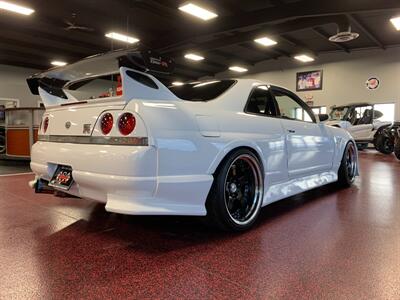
x,y
324,244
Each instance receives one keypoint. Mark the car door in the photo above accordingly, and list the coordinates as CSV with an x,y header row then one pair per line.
x,y
262,118
363,127
310,145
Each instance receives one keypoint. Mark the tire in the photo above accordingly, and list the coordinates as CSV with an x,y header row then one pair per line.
x,y
236,196
383,144
348,166
397,148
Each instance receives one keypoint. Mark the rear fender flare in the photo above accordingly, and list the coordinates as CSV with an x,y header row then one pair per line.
x,y
232,146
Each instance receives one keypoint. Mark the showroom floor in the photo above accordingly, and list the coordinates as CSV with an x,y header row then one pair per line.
x,y
324,244
13,167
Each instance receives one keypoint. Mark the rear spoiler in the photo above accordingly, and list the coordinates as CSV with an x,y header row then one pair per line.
x,y
55,79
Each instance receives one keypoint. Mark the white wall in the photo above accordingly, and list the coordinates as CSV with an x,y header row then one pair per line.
x,y
13,85
344,76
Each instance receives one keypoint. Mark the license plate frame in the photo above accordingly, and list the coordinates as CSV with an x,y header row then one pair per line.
x,y
62,178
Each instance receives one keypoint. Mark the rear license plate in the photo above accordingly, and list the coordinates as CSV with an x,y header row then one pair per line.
x,y
62,178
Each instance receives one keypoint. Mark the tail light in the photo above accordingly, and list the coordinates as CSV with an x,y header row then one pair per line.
x,y
45,124
126,123
106,123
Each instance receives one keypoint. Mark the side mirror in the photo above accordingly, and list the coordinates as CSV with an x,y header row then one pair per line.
x,y
323,117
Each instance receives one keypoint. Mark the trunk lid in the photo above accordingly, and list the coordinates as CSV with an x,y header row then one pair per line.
x,y
78,119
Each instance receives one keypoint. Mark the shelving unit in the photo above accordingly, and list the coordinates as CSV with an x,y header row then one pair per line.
x,y
21,131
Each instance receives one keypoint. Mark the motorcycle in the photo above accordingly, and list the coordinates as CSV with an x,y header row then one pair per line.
x,y
397,143
388,138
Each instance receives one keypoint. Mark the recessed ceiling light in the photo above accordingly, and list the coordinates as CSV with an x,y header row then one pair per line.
x,y
58,63
238,69
16,8
304,58
177,83
193,56
122,37
396,22
265,41
198,11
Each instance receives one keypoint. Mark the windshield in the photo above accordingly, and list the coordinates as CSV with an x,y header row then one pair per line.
x,y
202,91
338,113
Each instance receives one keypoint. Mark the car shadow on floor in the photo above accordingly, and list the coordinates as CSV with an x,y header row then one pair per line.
x,y
163,234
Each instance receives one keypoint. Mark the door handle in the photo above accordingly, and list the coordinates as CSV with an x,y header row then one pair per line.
x,y
291,131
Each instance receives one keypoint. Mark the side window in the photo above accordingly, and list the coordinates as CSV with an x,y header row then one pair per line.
x,y
364,115
289,108
261,102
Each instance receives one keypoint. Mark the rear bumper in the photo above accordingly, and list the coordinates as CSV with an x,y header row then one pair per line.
x,y
123,177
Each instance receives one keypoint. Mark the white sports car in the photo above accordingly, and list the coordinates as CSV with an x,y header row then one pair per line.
x,y
221,148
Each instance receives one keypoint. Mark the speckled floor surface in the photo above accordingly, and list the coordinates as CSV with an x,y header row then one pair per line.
x,y
324,244
14,167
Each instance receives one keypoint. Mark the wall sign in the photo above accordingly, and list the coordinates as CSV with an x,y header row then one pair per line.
x,y
372,83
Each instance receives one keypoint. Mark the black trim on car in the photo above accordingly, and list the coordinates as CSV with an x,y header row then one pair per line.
x,y
143,79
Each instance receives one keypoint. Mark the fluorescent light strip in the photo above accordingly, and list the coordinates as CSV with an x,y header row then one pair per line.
x,y
396,23
58,63
122,37
265,41
194,57
198,11
238,69
206,83
177,83
304,58
16,8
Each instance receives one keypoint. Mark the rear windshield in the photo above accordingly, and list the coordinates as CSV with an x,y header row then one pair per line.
x,y
202,91
97,87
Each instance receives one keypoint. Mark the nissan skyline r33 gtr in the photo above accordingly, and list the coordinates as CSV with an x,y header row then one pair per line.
x,y
361,120
116,132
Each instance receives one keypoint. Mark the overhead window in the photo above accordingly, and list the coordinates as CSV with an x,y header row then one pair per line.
x,y
387,110
304,116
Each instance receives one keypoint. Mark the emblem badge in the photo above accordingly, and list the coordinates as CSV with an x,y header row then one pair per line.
x,y
87,128
68,125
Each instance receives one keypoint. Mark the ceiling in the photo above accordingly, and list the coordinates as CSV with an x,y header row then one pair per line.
x,y
298,27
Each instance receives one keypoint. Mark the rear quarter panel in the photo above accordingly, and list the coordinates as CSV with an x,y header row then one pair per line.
x,y
341,138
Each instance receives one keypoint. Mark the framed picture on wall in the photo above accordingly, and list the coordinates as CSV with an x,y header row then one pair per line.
x,y
309,81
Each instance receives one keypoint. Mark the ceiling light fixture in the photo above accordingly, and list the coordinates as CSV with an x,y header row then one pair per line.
x,y
396,23
58,63
16,8
198,11
265,41
238,69
177,83
122,37
304,58
194,57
